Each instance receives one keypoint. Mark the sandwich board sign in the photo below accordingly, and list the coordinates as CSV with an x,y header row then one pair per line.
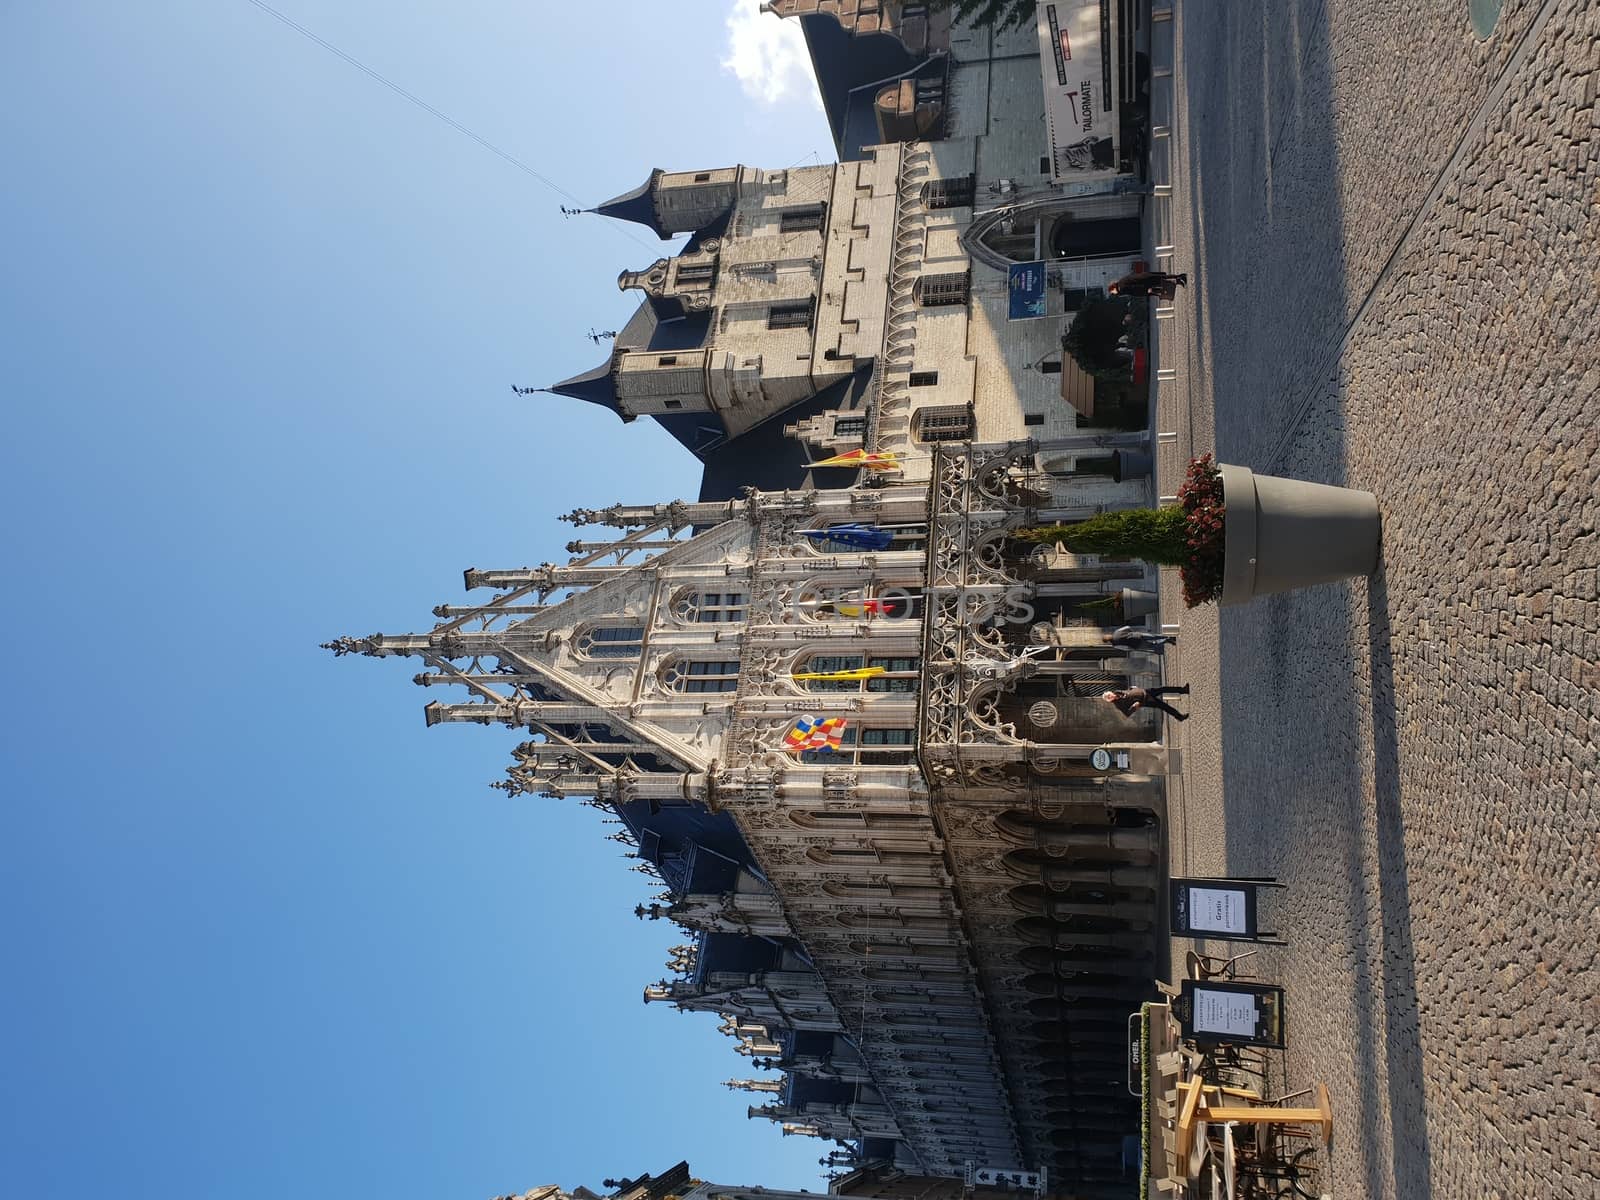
x,y
1246,1014
1226,909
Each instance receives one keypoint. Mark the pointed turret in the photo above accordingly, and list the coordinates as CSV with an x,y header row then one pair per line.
x,y
677,202
597,386
636,206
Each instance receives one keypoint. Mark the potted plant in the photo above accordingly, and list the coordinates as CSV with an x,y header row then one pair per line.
x,y
1234,534
1103,336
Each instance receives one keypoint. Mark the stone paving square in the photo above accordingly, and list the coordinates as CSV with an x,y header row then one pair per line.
x,y
1394,230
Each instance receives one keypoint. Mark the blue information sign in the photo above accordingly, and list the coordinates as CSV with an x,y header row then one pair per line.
x,y
1025,285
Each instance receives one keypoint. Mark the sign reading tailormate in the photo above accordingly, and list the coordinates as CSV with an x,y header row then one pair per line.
x,y
1078,60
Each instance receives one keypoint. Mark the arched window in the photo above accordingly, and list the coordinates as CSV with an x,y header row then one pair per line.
x,y
834,888
873,602
710,608
822,819
697,675
611,641
936,291
845,819
825,856
917,974
958,192
880,922
906,537
951,956
899,673
868,748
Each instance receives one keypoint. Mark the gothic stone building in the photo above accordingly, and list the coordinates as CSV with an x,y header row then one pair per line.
x,y
935,933
871,1183
933,936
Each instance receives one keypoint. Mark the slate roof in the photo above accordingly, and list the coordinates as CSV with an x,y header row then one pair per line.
x,y
597,386
844,61
636,206
764,458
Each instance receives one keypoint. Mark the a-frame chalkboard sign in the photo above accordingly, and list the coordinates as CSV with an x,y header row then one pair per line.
x,y
1226,909
1214,1011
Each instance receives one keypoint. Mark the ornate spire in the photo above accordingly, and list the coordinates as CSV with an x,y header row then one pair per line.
x,y
349,645
754,1085
594,516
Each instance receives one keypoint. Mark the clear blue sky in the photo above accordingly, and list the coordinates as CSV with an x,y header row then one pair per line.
x,y
265,935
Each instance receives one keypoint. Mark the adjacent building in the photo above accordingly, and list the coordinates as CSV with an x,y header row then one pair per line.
x,y
912,293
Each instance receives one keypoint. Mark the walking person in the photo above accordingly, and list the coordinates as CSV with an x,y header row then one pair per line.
x,y
1130,638
1149,283
1130,700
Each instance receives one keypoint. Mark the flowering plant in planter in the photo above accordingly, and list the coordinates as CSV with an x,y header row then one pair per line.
x,y
1200,496
1286,533
1187,535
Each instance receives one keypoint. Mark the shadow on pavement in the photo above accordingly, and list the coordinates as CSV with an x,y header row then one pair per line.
x,y
1259,88
1402,1032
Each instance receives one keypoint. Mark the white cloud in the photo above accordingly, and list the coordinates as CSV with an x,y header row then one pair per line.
x,y
768,56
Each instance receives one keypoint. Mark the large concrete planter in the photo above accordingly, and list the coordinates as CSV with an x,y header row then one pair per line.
x,y
1281,534
1138,603
1129,464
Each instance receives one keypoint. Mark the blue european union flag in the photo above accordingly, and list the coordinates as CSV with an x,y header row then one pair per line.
x,y
862,537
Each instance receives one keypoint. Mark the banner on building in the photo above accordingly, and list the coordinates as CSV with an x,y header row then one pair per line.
x,y
1078,60
811,732
856,536
876,460
852,675
1025,287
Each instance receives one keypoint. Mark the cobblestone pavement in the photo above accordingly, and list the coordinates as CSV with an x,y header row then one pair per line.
x,y
1394,232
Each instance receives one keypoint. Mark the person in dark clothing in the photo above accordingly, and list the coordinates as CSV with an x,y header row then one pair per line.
x,y
1129,638
1130,700
1149,283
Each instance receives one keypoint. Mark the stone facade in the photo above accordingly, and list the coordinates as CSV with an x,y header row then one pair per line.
x,y
936,932
873,1183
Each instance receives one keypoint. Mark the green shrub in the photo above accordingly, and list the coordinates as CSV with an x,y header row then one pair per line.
x,y
1154,534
